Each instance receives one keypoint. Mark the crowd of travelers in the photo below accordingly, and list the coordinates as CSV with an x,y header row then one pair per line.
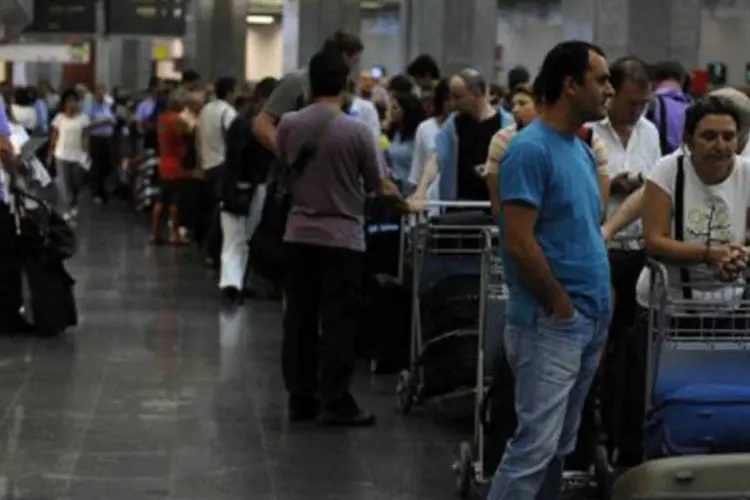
x,y
568,161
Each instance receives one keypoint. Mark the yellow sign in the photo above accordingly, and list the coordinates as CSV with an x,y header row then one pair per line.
x,y
160,53
79,53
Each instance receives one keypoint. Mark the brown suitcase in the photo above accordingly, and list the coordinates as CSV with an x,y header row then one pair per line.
x,y
696,477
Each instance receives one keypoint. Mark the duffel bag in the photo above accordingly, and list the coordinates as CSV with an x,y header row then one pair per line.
x,y
700,419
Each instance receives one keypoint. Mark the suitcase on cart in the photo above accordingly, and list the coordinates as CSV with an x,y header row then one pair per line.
x,y
693,477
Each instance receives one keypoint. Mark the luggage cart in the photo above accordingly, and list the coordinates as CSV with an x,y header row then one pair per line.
x,y
710,330
470,471
421,241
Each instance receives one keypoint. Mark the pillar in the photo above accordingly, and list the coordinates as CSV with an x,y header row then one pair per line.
x,y
216,38
458,33
308,23
652,30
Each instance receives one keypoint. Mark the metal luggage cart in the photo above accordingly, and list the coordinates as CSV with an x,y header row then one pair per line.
x,y
468,469
712,327
421,246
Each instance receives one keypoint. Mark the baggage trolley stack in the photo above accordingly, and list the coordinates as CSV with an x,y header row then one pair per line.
x,y
697,394
493,291
438,250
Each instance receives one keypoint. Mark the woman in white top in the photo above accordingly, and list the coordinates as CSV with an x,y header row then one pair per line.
x,y
424,139
716,196
68,147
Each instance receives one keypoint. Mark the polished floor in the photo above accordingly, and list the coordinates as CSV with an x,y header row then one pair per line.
x,y
158,394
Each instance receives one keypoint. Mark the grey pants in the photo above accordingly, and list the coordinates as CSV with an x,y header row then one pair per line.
x,y
69,181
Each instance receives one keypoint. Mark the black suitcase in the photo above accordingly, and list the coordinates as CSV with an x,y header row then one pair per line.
x,y
386,323
51,305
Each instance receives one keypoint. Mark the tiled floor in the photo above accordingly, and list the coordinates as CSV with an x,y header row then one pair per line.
x,y
159,395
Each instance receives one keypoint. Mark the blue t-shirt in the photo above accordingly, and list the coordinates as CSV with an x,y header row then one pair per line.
x,y
556,173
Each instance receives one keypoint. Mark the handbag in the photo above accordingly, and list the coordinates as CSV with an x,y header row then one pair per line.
x,y
267,241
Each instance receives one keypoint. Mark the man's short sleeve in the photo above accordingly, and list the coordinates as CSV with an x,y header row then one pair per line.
x,y
523,174
4,124
56,121
286,97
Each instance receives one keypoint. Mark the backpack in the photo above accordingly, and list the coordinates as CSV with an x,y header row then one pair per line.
x,y
658,114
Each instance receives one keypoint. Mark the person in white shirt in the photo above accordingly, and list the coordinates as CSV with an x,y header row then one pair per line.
x,y
68,149
213,122
632,144
427,132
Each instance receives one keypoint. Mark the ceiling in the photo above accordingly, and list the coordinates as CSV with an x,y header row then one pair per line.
x,y
15,15
276,6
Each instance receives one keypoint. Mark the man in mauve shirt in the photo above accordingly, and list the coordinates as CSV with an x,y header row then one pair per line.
x,y
324,246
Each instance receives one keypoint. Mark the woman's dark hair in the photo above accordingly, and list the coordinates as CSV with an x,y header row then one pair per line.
x,y
69,94
413,115
382,109
190,76
423,66
328,73
401,84
520,89
566,59
441,96
343,43
705,107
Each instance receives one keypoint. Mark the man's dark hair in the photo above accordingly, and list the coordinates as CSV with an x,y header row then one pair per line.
x,y
566,59
190,76
628,69
153,83
668,70
441,96
264,88
344,42
224,87
518,76
328,74
705,107
400,83
423,66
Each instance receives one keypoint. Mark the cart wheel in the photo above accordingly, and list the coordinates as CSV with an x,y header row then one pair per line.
x,y
464,469
603,473
405,391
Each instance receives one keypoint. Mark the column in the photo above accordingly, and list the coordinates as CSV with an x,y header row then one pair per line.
x,y
217,38
652,30
308,23
459,34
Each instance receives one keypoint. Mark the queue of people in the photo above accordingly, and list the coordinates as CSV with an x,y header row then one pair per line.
x,y
567,163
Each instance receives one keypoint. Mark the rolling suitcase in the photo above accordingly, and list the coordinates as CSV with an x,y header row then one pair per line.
x,y
694,477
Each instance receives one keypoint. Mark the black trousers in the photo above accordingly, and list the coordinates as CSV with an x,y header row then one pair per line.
x,y
207,230
102,164
322,287
11,260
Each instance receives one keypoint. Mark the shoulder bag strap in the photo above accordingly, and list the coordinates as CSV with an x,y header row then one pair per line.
x,y
663,125
679,222
299,165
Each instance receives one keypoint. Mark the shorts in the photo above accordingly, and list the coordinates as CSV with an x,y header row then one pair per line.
x,y
172,192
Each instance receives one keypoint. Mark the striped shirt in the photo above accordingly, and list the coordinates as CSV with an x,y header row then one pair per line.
x,y
501,140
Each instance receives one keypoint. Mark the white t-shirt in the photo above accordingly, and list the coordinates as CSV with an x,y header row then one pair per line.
x,y
213,122
69,146
717,212
366,112
424,149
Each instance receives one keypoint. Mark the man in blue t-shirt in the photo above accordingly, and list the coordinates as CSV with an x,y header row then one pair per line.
x,y
556,268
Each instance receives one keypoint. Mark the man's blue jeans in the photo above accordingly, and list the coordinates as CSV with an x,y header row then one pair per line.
x,y
554,364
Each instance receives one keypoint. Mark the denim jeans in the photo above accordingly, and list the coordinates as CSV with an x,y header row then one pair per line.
x,y
554,364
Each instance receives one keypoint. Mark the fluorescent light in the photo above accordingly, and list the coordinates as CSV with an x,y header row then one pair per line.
x,y
253,19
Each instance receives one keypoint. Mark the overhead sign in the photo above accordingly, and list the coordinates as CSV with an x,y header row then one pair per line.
x,y
164,18
64,16
46,52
